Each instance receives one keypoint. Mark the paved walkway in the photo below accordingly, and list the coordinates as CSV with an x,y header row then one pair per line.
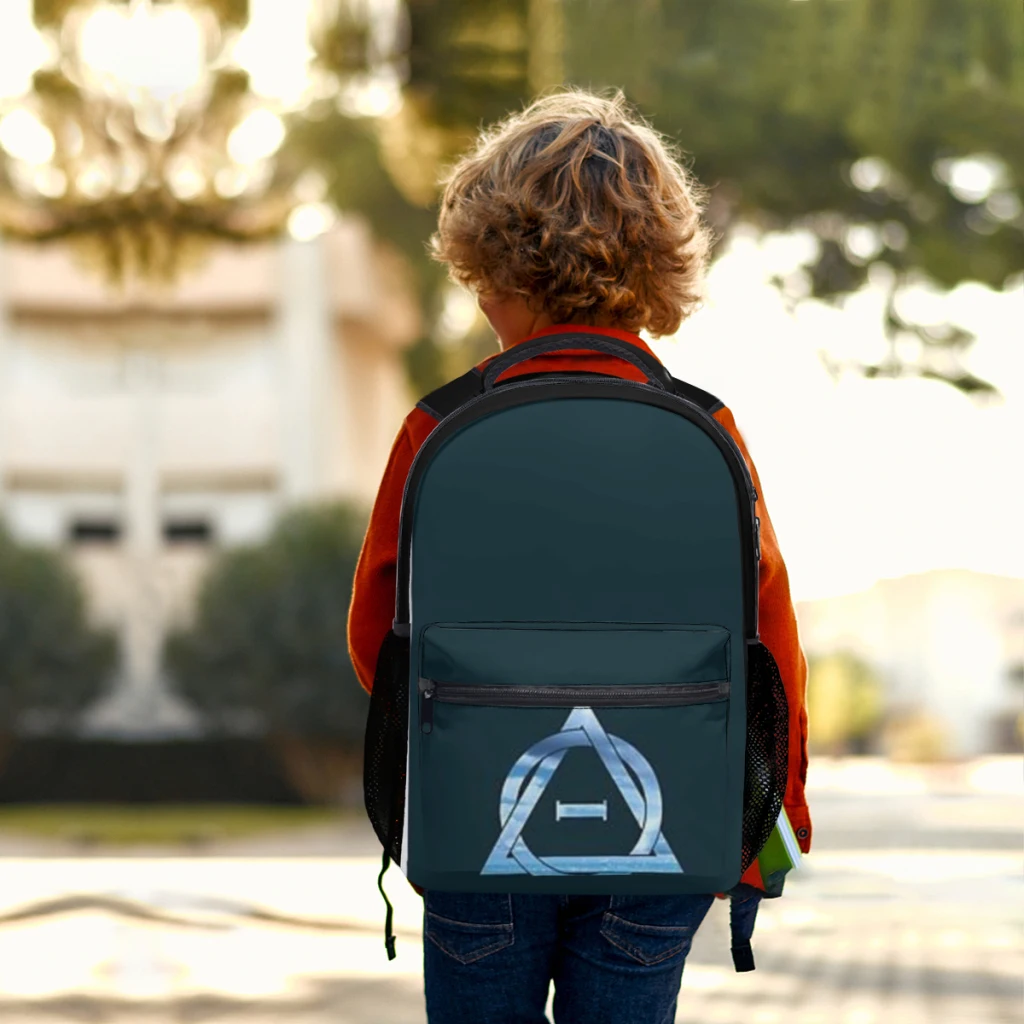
x,y
908,912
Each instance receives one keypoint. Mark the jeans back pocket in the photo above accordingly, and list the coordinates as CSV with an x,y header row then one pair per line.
x,y
652,930
468,926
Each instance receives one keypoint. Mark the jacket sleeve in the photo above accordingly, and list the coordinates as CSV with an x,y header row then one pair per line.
x,y
372,608
778,628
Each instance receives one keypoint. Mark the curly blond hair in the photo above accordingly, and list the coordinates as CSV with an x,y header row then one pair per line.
x,y
579,206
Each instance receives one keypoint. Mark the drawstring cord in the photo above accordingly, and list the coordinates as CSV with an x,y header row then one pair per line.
x,y
389,934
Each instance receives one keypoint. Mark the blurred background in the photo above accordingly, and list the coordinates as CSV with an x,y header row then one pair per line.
x,y
215,309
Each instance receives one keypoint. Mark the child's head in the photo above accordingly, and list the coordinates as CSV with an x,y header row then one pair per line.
x,y
580,209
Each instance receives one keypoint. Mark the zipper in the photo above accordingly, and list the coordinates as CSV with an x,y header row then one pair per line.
x,y
509,696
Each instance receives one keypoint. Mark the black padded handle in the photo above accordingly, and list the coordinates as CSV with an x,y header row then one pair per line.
x,y
654,371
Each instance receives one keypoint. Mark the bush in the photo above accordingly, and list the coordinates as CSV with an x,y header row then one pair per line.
x,y
268,644
53,664
844,704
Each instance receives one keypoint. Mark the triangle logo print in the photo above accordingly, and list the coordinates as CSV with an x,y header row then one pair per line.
x,y
633,777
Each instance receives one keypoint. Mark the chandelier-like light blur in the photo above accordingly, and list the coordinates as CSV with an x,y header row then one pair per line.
x,y
139,127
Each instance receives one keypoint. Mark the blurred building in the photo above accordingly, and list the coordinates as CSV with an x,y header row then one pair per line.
x,y
141,430
948,643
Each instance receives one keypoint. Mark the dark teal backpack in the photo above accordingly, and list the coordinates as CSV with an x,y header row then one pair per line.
x,y
573,697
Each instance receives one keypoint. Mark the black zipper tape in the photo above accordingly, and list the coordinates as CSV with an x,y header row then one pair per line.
x,y
659,695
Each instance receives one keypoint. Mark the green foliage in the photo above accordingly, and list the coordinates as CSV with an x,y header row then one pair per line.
x,y
844,702
347,152
470,58
468,64
777,101
270,632
822,114
844,117
52,663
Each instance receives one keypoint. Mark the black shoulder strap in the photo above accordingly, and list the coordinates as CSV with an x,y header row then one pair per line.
x,y
448,397
443,401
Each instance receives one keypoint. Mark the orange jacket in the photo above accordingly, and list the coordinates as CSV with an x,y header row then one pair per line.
x,y
373,594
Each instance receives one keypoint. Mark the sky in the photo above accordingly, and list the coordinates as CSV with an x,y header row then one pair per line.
x,y
863,479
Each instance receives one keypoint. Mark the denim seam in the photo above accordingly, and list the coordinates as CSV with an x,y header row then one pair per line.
x,y
647,928
505,939
634,951
482,925
504,942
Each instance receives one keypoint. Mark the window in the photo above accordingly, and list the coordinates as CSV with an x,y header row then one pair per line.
x,y
94,530
188,531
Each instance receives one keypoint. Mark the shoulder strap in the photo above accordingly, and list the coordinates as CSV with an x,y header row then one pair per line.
x,y
707,401
448,397
443,401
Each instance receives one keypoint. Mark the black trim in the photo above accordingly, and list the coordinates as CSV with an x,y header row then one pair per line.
x,y
553,386
652,367
743,957
446,399
520,377
443,401
707,401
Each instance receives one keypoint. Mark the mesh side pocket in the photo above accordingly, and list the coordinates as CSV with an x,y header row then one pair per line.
x,y
384,751
767,750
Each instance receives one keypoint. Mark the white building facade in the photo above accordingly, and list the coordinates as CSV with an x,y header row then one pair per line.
x,y
140,430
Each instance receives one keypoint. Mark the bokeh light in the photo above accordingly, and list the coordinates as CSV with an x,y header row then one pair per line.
x,y
25,137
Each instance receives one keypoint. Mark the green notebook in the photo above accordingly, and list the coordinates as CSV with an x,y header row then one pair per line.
x,y
781,852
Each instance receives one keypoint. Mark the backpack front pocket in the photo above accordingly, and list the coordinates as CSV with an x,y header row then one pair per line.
x,y
576,753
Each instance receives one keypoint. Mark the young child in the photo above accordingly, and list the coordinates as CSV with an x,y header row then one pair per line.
x,y
572,212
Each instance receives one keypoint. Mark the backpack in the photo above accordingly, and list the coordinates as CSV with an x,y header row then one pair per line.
x,y
573,697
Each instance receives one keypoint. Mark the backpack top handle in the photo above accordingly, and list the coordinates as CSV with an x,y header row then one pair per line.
x,y
653,370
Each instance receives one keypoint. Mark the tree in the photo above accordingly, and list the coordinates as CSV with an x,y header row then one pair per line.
x,y
465,63
53,664
268,646
888,128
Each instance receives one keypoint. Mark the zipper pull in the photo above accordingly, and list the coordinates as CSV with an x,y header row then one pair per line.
x,y
757,536
426,705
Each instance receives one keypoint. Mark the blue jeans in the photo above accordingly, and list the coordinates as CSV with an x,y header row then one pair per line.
x,y
489,958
